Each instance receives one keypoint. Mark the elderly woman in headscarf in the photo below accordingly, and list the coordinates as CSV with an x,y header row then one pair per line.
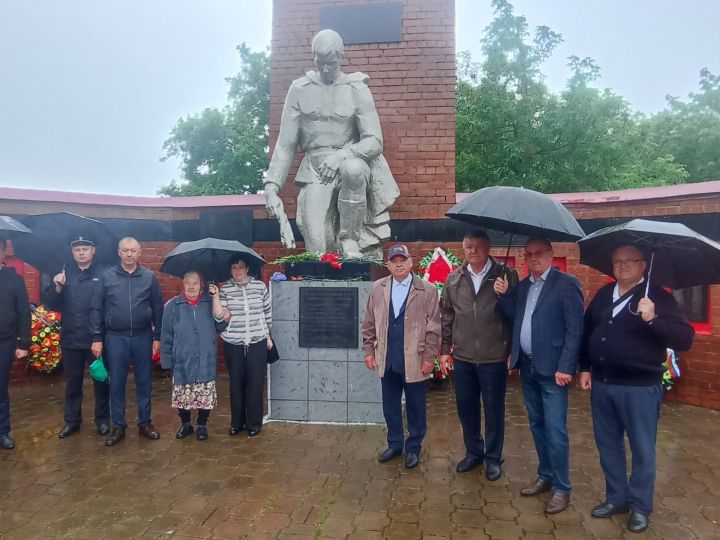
x,y
188,346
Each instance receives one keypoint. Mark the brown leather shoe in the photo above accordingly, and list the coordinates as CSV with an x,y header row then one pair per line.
x,y
557,503
117,435
536,487
148,431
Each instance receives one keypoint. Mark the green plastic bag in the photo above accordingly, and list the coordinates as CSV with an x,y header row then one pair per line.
x,y
98,371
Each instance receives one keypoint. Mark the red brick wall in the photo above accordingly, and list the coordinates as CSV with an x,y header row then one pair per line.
x,y
413,83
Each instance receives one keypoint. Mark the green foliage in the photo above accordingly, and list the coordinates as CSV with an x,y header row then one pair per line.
x,y
511,130
224,151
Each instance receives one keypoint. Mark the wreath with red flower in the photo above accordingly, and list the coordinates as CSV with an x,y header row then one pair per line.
x,y
44,355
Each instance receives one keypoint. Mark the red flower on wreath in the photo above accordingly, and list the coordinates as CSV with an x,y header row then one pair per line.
x,y
333,259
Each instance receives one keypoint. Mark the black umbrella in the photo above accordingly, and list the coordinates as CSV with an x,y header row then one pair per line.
x,y
11,228
210,257
48,248
518,211
679,256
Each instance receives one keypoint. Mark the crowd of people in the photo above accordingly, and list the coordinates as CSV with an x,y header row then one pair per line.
x,y
486,324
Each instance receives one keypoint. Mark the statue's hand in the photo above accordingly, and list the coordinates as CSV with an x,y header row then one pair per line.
x,y
286,234
273,203
330,166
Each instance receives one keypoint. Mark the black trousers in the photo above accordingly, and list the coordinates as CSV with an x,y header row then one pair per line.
x,y
7,356
393,386
74,362
246,368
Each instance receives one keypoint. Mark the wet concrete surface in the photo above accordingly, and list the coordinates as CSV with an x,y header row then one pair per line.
x,y
315,481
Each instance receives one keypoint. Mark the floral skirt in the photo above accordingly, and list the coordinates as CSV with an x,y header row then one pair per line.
x,y
194,396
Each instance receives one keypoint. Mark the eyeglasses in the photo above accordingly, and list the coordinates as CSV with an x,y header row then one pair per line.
x,y
625,262
533,254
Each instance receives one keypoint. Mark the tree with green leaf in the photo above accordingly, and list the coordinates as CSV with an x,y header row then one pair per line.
x,y
224,152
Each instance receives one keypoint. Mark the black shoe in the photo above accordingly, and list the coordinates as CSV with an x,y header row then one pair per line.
x,y
493,471
468,463
201,433
148,431
234,432
637,523
67,431
606,510
254,432
103,428
6,442
411,460
388,454
185,429
117,435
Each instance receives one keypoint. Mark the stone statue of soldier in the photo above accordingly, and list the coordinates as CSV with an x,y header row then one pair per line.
x,y
346,187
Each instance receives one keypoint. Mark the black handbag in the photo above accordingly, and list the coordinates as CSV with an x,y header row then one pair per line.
x,y
273,355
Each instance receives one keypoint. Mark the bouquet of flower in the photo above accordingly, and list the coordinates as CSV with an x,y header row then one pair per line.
x,y
672,369
44,355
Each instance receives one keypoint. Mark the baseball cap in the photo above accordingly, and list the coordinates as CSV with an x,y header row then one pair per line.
x,y
399,249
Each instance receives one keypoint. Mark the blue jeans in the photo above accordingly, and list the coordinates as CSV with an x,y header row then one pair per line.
x,y
119,352
7,355
393,385
486,381
635,410
547,405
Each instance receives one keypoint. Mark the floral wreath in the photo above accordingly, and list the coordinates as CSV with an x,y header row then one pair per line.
x,y
44,354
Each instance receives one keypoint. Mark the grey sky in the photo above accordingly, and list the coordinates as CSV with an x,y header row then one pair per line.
x,y
89,90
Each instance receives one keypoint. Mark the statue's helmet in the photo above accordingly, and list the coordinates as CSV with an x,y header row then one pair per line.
x,y
327,42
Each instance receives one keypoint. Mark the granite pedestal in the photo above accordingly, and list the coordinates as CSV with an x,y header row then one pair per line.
x,y
312,384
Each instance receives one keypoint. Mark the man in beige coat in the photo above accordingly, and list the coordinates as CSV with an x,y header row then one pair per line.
x,y
401,337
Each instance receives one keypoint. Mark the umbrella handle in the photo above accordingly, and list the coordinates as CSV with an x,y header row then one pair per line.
x,y
507,255
647,285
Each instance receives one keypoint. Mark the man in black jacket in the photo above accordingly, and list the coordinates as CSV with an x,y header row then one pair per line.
x,y
622,359
126,313
14,337
70,293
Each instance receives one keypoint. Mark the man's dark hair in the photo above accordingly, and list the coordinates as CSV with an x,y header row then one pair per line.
x,y
236,259
477,233
540,240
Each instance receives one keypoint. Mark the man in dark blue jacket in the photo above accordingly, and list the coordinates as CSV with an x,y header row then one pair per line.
x,y
127,314
70,293
547,310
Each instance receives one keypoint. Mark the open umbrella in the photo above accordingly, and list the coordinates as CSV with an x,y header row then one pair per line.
x,y
520,211
679,256
48,248
211,257
11,228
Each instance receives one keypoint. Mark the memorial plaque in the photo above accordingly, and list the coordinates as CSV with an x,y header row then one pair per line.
x,y
329,317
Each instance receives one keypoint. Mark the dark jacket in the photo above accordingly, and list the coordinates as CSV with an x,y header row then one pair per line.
x,y
188,343
73,302
625,349
473,327
126,304
14,308
557,322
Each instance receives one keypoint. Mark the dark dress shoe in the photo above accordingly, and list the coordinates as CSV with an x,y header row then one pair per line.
x,y
637,523
234,432
493,471
103,428
6,442
537,487
468,463
202,433
606,510
148,431
254,432
557,503
185,430
388,454
67,431
117,435
411,460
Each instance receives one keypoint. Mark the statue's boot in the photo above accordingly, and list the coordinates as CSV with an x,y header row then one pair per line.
x,y
352,216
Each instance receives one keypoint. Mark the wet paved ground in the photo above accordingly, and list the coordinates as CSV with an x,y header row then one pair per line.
x,y
310,481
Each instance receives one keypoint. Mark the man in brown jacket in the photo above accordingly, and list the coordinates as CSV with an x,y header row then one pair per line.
x,y
401,337
477,336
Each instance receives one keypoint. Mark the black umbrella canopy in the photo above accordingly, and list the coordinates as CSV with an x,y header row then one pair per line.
x,y
48,248
11,228
680,256
211,258
518,211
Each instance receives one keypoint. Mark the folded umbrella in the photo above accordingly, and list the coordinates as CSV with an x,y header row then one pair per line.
x,y
11,228
48,248
211,258
679,257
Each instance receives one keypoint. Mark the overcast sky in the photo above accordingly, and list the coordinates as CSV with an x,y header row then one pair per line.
x,y
89,90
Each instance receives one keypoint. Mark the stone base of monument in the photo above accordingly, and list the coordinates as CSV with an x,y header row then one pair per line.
x,y
321,376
